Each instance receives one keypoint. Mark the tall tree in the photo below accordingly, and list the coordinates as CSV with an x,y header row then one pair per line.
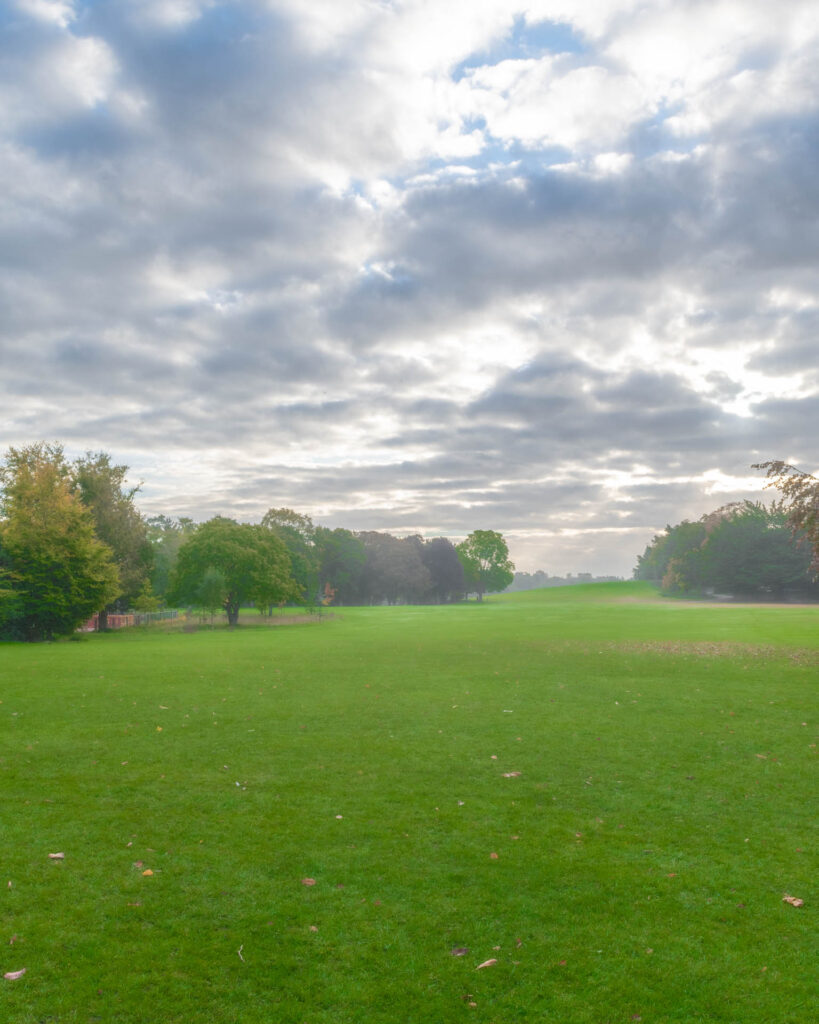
x,y
485,558
101,487
57,571
166,536
445,570
341,559
744,548
393,570
253,563
800,492
298,534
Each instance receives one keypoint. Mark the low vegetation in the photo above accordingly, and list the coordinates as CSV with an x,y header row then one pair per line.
x,y
601,795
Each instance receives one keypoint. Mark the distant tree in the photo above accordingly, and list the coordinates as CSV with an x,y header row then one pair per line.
x,y
341,559
750,552
298,534
445,570
800,493
655,562
101,488
485,559
252,560
394,570
166,536
55,572
743,548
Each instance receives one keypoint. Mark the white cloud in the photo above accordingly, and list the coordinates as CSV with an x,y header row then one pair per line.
x,y
55,12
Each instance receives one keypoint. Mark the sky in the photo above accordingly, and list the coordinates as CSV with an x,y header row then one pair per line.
x,y
547,267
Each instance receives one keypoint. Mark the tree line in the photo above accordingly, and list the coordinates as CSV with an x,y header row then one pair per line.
x,y
73,544
744,549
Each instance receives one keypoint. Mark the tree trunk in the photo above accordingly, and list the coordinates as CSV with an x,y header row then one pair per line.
x,y
102,620
232,613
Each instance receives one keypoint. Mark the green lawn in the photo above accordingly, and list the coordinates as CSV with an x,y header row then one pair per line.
x,y
633,870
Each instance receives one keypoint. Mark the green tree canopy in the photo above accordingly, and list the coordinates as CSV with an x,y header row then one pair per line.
x,y
485,559
56,572
341,560
744,548
253,563
800,493
166,536
298,535
101,488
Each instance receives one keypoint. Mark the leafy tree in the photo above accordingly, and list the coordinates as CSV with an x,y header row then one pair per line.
x,y
393,570
57,573
341,559
485,559
101,488
655,562
445,570
750,552
212,591
298,534
800,492
253,562
166,536
744,548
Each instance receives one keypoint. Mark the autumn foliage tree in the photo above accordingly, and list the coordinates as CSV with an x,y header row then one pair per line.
x,y
800,494
54,571
101,487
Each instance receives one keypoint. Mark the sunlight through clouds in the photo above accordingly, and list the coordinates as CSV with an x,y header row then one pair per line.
x,y
546,267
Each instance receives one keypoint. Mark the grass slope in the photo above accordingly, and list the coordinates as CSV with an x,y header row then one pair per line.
x,y
662,809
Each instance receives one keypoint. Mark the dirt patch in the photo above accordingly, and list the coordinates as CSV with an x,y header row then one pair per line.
x,y
714,649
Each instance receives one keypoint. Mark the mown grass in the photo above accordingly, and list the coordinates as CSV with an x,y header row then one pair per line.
x,y
663,807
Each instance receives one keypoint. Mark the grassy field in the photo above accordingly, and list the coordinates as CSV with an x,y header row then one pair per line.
x,y
604,792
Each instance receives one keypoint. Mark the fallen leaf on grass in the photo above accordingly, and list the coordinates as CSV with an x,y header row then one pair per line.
x,y
147,873
511,775
459,951
308,881
493,856
313,928
56,856
14,975
486,963
793,900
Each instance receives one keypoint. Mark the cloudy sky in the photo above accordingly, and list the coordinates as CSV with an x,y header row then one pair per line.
x,y
545,267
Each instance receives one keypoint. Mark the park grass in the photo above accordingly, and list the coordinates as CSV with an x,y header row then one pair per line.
x,y
664,806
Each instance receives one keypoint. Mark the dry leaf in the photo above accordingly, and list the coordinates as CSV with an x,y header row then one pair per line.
x,y
56,856
793,900
458,951
147,873
511,775
308,881
493,856
313,928
486,963
14,975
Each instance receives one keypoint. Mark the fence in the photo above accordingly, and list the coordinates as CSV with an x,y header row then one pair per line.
x,y
128,619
